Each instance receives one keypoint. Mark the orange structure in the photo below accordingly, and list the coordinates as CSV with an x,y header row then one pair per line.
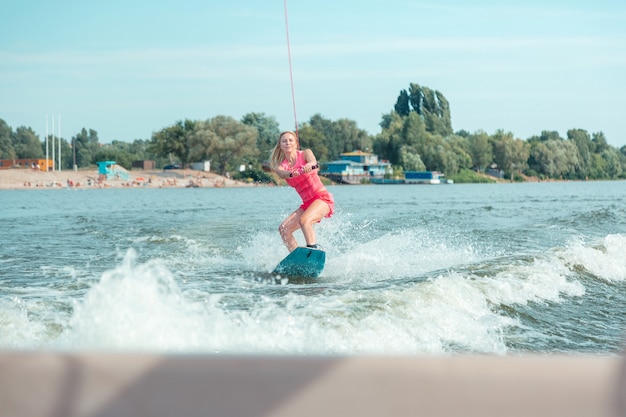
x,y
35,163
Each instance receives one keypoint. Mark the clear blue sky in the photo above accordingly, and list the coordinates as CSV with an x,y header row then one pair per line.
x,y
130,68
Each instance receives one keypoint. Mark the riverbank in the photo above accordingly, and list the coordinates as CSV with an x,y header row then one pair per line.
x,y
20,179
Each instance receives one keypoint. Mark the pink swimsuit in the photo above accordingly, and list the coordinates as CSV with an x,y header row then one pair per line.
x,y
309,186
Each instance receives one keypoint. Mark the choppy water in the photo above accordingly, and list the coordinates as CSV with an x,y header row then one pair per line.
x,y
410,270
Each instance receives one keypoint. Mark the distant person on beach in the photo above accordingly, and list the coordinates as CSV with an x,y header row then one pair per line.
x,y
298,168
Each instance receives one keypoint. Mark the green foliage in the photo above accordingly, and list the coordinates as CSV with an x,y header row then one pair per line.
x,y
350,137
432,107
416,135
268,131
556,158
466,176
410,159
388,143
510,154
518,178
480,149
599,140
585,147
328,139
402,105
613,167
6,143
397,173
175,141
67,157
87,145
125,153
310,138
26,144
110,153
222,140
255,175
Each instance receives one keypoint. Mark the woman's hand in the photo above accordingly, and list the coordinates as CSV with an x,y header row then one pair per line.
x,y
305,169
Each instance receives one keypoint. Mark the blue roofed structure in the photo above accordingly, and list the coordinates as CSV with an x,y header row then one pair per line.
x,y
356,167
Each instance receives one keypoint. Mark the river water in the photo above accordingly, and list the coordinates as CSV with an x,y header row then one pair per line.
x,y
411,269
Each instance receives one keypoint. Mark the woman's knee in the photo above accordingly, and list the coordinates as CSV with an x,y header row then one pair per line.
x,y
288,226
308,218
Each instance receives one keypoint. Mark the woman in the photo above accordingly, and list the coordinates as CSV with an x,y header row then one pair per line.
x,y
298,168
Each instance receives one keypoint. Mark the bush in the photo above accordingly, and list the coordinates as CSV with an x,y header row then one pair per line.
x,y
518,178
254,175
466,176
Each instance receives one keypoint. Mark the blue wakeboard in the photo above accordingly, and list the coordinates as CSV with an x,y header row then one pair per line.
x,y
302,263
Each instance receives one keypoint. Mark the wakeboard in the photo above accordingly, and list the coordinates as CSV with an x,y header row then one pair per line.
x,y
302,262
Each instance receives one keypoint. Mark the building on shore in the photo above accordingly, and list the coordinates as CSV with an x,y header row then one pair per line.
x,y
355,168
39,164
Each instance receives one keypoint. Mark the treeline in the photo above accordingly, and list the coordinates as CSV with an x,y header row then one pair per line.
x,y
83,150
416,135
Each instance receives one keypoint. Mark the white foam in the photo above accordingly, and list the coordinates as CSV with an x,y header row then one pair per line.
x,y
141,306
135,306
541,280
17,330
605,259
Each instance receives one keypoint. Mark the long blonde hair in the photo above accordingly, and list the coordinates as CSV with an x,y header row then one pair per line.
x,y
277,154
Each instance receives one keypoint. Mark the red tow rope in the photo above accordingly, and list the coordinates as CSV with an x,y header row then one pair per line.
x,y
293,94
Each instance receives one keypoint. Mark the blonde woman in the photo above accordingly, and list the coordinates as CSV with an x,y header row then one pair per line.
x,y
298,168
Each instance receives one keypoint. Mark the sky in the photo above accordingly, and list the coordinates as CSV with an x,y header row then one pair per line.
x,y
128,69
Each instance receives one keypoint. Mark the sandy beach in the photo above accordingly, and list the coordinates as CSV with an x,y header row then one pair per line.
x,y
21,179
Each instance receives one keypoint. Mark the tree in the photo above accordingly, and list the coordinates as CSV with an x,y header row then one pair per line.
x,y
547,135
439,155
600,143
433,107
597,167
313,139
437,119
26,144
326,146
349,137
223,140
268,131
114,153
402,104
388,142
66,154
87,145
521,151
556,158
414,132
458,151
509,154
6,143
410,159
480,149
581,139
175,141
613,166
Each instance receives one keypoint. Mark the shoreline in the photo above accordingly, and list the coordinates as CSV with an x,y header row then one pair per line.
x,y
29,179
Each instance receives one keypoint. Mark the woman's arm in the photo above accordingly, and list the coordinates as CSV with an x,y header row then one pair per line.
x,y
282,173
310,165
311,161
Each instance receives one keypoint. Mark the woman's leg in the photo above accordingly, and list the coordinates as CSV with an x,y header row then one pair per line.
x,y
288,227
313,214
